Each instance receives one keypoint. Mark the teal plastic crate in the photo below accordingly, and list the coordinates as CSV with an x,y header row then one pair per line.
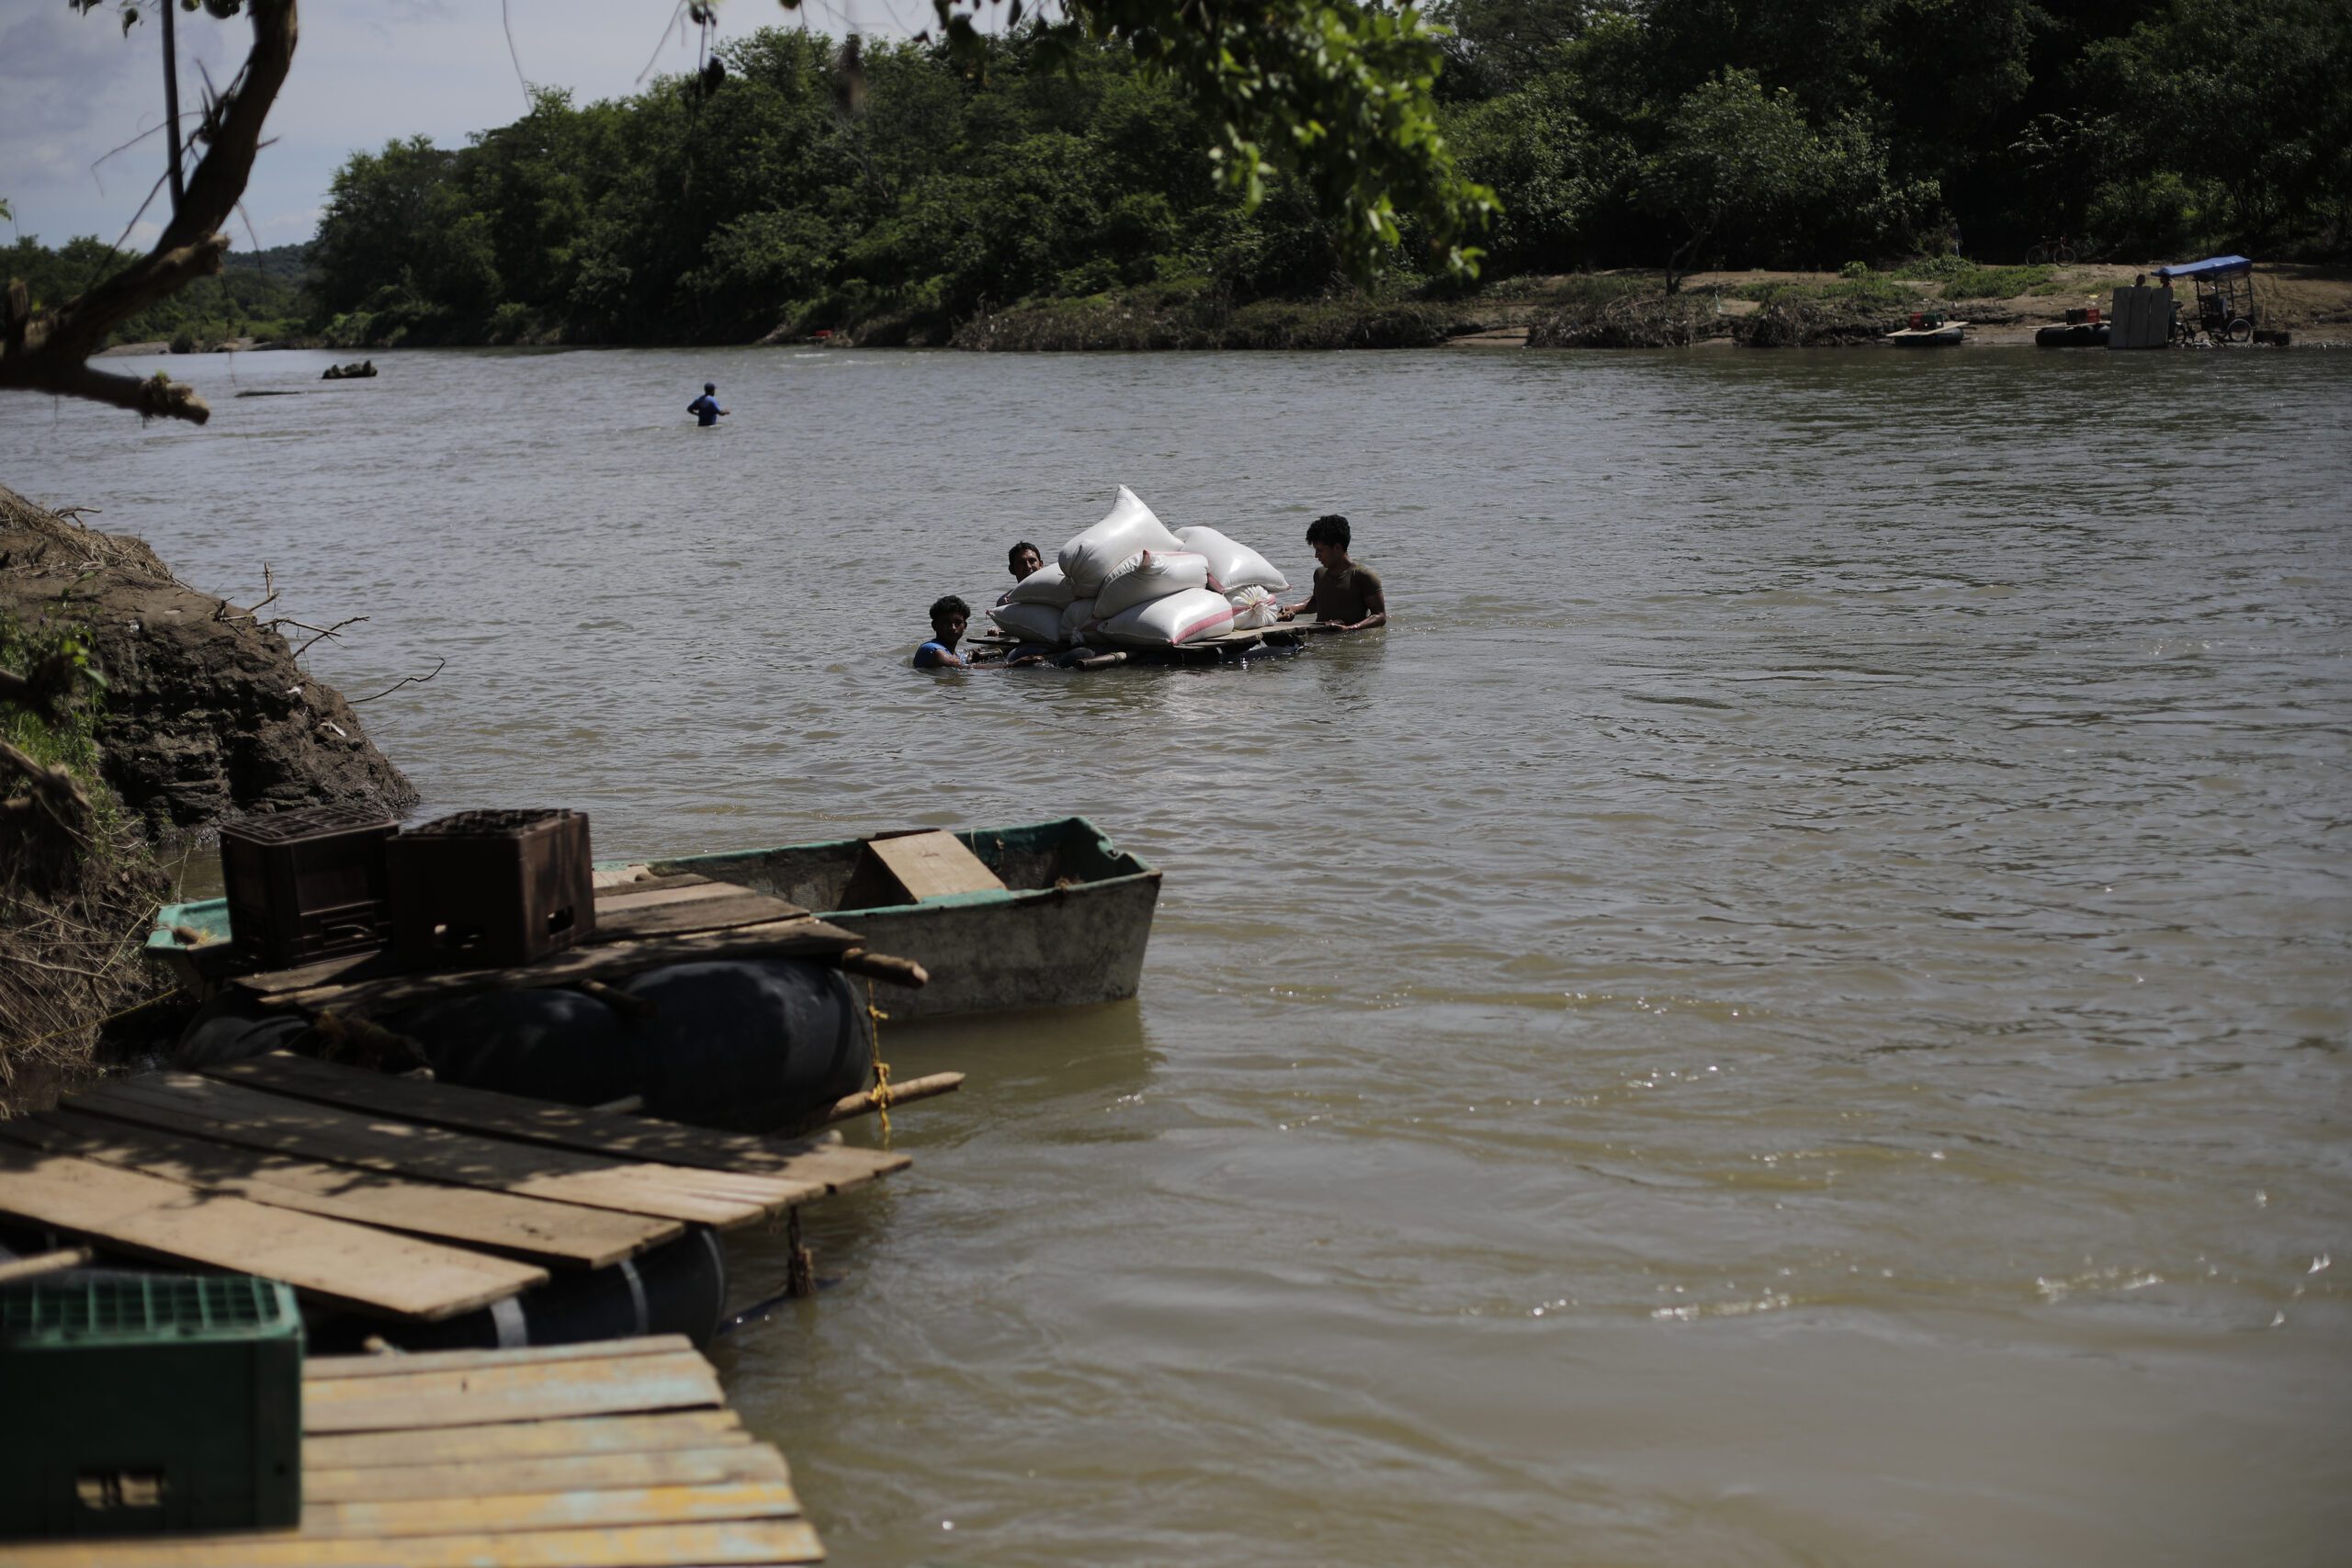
x,y
146,1402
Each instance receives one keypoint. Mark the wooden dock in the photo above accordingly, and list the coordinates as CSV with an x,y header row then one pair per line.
x,y
615,1455
398,1197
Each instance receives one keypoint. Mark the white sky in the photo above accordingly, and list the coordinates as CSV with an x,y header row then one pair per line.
x,y
73,87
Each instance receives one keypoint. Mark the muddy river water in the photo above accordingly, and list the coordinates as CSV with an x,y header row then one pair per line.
x,y
1791,1009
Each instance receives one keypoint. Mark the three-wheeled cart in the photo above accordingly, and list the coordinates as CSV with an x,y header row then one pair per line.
x,y
2224,309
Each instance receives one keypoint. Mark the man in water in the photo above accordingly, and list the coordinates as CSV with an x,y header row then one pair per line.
x,y
706,408
1024,562
1347,597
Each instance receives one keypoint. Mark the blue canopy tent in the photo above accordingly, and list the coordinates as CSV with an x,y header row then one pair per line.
x,y
2211,266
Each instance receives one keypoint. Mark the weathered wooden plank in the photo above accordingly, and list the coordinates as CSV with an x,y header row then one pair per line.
x,y
933,865
653,890
538,1392
498,1378
352,1265
730,1543
777,938
553,1438
325,1369
565,1126
742,1460
688,910
225,1112
565,1234
596,1509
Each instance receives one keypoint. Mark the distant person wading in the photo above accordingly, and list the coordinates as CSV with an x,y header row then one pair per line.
x,y
706,408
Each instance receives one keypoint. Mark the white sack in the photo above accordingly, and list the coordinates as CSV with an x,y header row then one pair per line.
x,y
1077,619
1233,565
1179,618
1253,609
1149,574
1088,558
1046,585
1030,623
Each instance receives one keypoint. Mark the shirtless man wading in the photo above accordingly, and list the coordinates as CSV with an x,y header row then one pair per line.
x,y
1347,597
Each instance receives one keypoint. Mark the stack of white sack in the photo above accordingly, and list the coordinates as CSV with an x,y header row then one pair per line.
x,y
1032,611
1130,580
1233,566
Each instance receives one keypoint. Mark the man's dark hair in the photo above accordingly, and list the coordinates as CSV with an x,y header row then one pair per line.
x,y
1328,529
951,606
710,386
1012,555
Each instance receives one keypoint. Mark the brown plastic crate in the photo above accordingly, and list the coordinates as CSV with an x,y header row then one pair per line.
x,y
491,889
306,884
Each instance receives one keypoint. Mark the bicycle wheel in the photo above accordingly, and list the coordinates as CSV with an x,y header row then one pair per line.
x,y
2037,255
2062,255
2238,329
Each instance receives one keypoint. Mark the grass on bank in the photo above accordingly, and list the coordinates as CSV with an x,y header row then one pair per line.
x,y
73,909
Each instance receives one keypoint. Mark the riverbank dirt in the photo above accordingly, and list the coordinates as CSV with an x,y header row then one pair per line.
x,y
2313,303
207,716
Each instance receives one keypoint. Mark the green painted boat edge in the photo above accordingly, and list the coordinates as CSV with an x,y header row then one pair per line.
x,y
211,916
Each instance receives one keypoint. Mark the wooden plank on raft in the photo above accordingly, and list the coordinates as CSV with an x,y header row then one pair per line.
x,y
584,1128
230,1114
933,865
723,1545
563,1234
608,1508
687,916
680,1380
381,993
351,1264
383,1452
408,1363
714,1465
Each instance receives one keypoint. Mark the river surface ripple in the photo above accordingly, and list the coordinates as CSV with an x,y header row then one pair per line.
x,y
1791,1009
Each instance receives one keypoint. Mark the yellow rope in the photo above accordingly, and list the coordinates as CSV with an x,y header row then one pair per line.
x,y
881,1068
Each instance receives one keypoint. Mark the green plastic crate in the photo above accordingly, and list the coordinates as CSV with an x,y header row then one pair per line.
x,y
146,1402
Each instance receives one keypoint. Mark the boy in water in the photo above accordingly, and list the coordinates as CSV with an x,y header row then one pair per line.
x,y
1347,597
706,408
949,616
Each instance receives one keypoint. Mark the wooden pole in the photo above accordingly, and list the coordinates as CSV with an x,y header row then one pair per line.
x,y
33,1267
865,1103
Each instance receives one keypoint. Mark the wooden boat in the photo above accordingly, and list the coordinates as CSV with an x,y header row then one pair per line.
x,y
1050,914
1934,333
1061,919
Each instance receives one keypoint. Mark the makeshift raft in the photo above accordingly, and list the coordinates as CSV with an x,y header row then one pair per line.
x,y
396,1198
1226,649
613,1455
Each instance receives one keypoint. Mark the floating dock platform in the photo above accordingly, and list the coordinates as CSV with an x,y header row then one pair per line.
x,y
613,1455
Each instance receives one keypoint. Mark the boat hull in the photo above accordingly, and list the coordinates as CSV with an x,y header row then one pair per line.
x,y
1069,929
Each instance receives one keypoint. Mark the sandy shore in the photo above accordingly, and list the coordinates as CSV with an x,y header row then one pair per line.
x,y
2314,303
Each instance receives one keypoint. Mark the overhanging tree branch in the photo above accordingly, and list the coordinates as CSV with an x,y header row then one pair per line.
x,y
48,352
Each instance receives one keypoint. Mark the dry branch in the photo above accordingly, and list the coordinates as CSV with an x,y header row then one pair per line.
x,y
47,353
